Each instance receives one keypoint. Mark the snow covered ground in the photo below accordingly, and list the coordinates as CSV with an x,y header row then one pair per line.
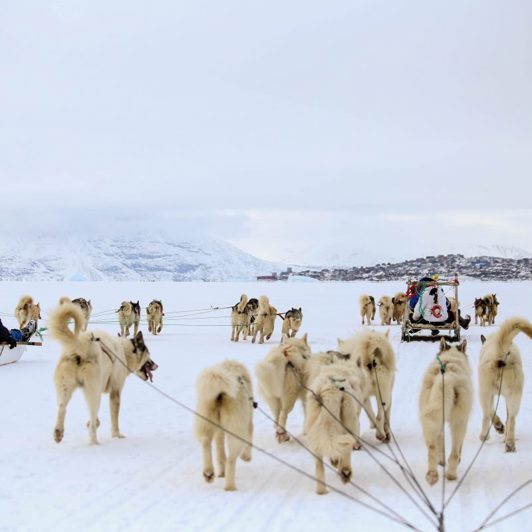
x,y
152,480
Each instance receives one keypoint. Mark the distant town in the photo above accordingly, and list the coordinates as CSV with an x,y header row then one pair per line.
x,y
485,268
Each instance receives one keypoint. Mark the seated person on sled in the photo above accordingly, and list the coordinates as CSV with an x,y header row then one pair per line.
x,y
429,305
13,336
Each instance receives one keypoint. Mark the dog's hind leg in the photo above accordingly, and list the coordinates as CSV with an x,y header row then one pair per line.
x,y
92,393
432,433
64,387
321,489
287,405
234,447
114,403
246,453
219,439
512,409
488,413
206,441
458,426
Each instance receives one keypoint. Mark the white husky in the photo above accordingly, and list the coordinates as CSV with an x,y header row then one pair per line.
x,y
97,363
225,401
332,418
281,377
373,352
264,320
500,368
452,394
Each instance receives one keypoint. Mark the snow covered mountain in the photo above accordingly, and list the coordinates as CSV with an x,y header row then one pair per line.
x,y
129,258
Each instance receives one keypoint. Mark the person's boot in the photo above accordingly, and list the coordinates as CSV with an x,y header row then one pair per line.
x,y
29,330
464,322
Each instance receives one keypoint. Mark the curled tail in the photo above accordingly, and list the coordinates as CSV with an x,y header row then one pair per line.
x,y
511,328
243,302
214,382
59,320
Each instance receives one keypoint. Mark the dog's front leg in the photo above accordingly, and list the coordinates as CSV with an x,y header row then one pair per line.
x,y
220,452
114,403
321,489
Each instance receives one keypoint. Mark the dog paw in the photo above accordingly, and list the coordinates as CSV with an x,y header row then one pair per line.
x,y
246,456
334,462
97,423
357,446
484,437
499,427
345,475
282,436
253,340
58,435
322,490
118,435
208,476
450,475
432,477
230,487
510,447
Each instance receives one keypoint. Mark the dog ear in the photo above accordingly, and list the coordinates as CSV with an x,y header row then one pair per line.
x,y
444,346
387,333
393,300
482,338
339,341
139,341
305,338
462,346
286,351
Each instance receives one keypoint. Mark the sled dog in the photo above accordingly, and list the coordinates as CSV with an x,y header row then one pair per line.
x,y
264,321
239,318
280,379
251,310
399,305
500,368
332,418
128,315
155,313
492,305
367,308
386,310
292,322
452,394
95,362
373,352
27,310
225,398
481,311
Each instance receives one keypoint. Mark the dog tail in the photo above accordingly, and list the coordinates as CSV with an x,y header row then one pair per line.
x,y
64,299
242,304
264,303
213,383
25,302
59,320
511,328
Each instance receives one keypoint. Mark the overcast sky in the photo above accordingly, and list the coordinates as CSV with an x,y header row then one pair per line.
x,y
272,124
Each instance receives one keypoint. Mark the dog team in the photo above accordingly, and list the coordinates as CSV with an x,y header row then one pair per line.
x,y
334,386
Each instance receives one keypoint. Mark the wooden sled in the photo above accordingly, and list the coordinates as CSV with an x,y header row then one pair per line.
x,y
412,332
8,356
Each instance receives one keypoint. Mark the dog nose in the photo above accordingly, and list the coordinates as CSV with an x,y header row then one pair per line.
x,y
342,389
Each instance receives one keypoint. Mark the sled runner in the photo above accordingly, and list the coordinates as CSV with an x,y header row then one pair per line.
x,y
413,331
8,356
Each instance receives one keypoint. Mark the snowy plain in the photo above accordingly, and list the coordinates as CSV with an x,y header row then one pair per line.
x,y
152,479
